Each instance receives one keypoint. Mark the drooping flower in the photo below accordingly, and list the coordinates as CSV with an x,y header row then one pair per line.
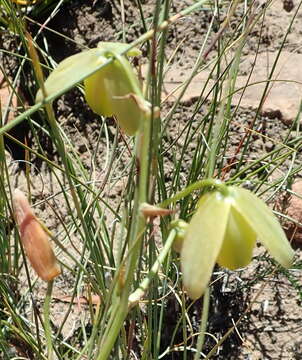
x,y
34,239
224,229
113,90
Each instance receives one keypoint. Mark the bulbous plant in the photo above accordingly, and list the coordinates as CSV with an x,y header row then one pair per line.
x,y
113,90
224,229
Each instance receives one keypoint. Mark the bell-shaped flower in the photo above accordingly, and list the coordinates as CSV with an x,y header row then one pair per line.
x,y
113,90
224,229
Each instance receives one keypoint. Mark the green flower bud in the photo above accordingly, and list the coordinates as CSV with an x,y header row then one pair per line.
x,y
224,229
180,226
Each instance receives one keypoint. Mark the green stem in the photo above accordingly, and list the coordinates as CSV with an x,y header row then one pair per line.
x,y
135,297
203,323
195,186
119,309
47,327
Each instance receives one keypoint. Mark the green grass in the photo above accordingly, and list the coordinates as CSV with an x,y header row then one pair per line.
x,y
103,245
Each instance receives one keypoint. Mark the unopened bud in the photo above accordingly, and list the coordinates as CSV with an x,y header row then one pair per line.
x,y
180,226
34,239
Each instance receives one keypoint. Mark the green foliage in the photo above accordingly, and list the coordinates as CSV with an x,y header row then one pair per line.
x,y
116,261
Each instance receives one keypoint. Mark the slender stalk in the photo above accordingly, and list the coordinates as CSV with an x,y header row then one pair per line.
x,y
119,309
203,323
47,327
136,296
195,186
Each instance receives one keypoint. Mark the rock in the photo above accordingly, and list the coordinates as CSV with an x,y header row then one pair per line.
x,y
284,95
282,99
292,207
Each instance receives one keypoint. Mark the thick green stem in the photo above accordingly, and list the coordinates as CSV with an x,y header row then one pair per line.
x,y
47,327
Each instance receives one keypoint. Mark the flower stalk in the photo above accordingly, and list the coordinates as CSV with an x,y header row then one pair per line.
x,y
120,307
47,326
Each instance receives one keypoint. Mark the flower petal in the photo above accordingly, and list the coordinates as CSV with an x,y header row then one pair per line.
x,y
71,71
115,90
262,220
239,241
118,47
97,91
180,226
203,241
123,86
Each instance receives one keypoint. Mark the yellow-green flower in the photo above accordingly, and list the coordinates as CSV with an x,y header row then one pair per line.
x,y
224,229
113,90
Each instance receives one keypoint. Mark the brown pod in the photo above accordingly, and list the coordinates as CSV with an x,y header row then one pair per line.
x,y
34,239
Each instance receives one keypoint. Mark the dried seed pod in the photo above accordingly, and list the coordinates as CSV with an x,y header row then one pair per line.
x,y
34,239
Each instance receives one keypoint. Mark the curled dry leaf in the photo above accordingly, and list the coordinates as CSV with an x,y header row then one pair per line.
x,y
151,210
34,239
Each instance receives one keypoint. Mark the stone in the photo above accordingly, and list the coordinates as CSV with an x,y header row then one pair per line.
x,y
283,97
292,207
